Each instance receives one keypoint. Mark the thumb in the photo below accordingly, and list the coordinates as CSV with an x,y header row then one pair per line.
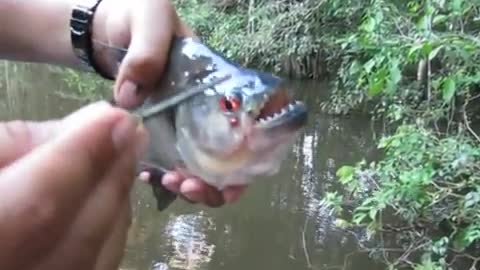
x,y
45,189
148,52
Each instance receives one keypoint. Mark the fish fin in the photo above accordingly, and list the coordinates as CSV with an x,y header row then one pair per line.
x,y
163,196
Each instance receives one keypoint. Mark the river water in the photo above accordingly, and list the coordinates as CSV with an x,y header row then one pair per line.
x,y
278,224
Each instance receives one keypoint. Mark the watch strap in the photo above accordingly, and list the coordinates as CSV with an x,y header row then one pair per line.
x,y
81,35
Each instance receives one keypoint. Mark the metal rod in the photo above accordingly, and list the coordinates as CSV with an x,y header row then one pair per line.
x,y
178,98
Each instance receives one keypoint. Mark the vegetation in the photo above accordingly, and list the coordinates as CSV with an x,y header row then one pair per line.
x,y
413,64
83,86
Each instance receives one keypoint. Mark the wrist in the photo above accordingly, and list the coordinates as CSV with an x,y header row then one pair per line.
x,y
87,23
101,54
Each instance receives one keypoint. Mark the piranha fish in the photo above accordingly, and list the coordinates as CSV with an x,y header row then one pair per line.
x,y
231,133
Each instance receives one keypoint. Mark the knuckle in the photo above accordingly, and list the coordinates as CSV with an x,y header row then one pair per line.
x,y
144,62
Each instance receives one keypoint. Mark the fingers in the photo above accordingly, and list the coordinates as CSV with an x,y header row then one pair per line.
x,y
148,52
103,220
197,191
17,138
54,179
233,193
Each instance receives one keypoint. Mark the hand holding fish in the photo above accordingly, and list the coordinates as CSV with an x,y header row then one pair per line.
x,y
146,28
128,24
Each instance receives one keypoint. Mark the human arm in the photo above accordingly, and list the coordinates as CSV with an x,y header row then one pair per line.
x,y
39,31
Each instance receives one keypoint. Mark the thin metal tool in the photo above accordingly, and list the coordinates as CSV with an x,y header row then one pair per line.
x,y
145,113
176,99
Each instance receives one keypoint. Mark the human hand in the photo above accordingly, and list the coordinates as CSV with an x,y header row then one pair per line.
x,y
65,189
146,28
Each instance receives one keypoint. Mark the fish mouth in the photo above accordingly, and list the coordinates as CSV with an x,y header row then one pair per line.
x,y
278,111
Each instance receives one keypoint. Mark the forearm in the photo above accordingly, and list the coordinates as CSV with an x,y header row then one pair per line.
x,y
37,31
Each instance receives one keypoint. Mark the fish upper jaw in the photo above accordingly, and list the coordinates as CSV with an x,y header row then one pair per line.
x,y
274,110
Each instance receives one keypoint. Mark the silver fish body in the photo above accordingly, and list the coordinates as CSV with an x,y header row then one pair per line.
x,y
234,131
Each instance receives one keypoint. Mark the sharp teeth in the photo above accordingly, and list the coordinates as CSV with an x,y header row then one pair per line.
x,y
290,106
284,110
265,97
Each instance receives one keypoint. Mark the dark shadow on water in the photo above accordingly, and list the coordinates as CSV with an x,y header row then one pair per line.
x,y
278,224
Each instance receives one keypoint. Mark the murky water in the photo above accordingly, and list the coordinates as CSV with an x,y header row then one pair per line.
x,y
278,224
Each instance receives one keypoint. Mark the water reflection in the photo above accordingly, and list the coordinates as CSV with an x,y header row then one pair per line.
x,y
278,224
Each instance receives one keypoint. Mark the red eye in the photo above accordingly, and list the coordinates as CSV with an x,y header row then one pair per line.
x,y
230,104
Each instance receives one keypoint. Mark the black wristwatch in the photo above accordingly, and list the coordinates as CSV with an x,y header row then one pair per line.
x,y
81,34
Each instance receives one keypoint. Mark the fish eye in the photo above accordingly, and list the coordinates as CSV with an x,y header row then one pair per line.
x,y
230,103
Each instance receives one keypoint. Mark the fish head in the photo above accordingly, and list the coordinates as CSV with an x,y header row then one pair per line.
x,y
235,130
240,128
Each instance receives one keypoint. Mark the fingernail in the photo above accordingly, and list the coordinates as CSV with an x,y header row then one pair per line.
x,y
144,177
191,190
142,140
125,133
128,92
172,182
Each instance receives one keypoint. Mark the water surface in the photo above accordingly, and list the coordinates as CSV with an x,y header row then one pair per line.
x,y
278,224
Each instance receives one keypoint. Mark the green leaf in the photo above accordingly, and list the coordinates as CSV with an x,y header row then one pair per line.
x,y
345,171
422,23
372,213
369,24
369,65
413,50
341,223
439,19
385,142
456,5
448,89
434,52
376,88
395,76
461,242
427,48
359,217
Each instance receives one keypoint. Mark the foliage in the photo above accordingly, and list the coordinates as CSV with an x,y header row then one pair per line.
x,y
83,86
430,185
415,63
420,53
281,36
